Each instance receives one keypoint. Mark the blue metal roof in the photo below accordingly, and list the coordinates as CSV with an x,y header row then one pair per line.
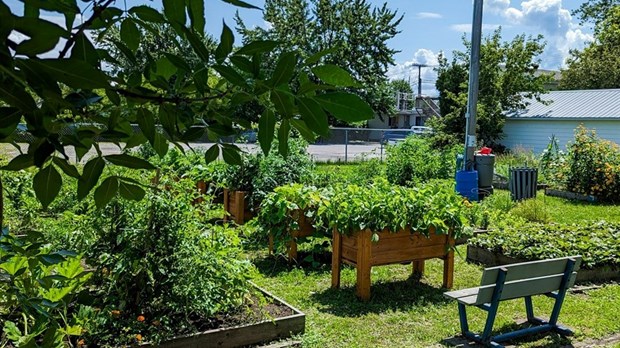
x,y
581,104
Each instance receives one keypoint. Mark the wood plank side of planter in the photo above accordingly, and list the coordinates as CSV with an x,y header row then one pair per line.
x,y
244,335
491,259
236,204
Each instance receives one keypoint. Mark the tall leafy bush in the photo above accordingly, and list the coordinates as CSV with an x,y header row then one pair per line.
x,y
415,160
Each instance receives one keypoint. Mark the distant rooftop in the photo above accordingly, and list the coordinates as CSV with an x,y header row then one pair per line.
x,y
579,104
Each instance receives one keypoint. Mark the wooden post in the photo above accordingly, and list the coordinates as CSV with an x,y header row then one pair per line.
x,y
448,264
240,207
363,264
418,267
336,257
270,243
292,248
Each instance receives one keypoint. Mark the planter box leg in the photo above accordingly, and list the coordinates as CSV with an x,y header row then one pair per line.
x,y
418,268
226,204
240,202
363,265
336,258
292,250
448,270
270,243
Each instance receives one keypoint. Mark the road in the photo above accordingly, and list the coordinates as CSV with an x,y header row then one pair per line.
x,y
320,153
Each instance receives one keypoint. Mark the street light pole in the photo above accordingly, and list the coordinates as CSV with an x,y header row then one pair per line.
x,y
472,95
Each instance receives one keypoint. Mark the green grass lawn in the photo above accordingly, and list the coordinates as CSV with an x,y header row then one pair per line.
x,y
405,313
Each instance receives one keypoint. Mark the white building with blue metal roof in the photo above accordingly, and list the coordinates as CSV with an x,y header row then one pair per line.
x,y
559,115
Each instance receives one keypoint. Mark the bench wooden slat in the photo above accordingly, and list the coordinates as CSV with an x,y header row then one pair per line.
x,y
532,269
524,287
455,295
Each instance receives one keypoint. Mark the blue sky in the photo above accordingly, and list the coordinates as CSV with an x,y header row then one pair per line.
x,y
429,27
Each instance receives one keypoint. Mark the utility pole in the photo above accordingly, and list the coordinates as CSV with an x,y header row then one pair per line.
x,y
472,95
420,66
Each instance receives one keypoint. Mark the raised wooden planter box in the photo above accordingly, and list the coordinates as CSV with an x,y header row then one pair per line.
x,y
305,230
236,205
244,335
392,248
490,259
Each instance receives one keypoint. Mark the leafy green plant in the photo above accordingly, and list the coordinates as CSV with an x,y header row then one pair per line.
x,y
281,210
40,288
532,210
596,242
382,206
162,270
415,160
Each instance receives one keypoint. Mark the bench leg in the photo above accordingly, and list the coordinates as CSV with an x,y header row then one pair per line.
x,y
463,319
529,309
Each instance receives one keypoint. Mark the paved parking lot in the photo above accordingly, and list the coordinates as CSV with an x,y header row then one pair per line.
x,y
320,153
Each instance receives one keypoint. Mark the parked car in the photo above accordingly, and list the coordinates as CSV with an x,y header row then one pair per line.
x,y
394,136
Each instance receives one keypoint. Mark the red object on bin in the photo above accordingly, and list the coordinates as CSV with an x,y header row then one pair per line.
x,y
485,151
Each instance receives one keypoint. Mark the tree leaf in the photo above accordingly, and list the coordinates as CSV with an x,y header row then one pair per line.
x,y
130,191
197,44
147,14
128,161
284,70
130,34
66,167
16,96
231,75
160,144
346,106
9,118
303,129
266,129
227,39
317,56
212,153
314,116
240,3
334,75
74,73
84,50
283,102
242,63
231,154
193,133
20,162
106,191
146,122
259,46
42,35
46,184
175,11
283,135
165,68
90,175
196,9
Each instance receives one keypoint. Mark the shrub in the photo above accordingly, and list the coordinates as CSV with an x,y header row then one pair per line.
x,y
531,210
593,166
415,160
596,242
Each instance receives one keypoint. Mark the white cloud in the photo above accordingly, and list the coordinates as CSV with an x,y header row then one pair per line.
x,y
428,15
466,27
409,70
267,25
551,19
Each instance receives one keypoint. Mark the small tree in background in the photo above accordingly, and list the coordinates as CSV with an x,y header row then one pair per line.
x,y
507,78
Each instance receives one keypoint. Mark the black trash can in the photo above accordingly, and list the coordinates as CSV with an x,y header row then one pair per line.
x,y
522,183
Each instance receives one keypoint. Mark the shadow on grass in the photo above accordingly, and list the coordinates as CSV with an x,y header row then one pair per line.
x,y
551,339
311,263
400,295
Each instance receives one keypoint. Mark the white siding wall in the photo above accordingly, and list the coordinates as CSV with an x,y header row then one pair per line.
x,y
535,134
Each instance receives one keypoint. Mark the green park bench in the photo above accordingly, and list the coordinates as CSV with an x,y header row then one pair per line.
x,y
520,280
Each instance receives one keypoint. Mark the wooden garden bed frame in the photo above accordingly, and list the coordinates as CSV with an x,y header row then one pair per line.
x,y
392,248
244,335
236,204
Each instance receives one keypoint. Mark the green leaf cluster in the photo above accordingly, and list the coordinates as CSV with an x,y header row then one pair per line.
x,y
596,242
